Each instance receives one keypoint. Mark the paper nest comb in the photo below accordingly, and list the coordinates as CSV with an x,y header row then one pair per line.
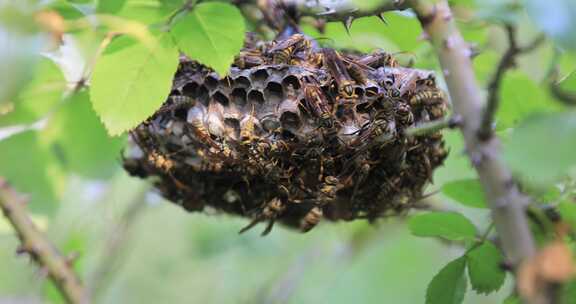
x,y
293,134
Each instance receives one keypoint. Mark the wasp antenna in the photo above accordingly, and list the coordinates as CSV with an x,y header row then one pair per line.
x,y
381,17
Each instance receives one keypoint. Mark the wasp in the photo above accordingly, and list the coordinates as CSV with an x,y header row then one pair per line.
x,y
378,59
333,61
247,130
406,80
177,102
357,70
388,188
381,130
311,219
328,188
249,58
283,51
427,97
438,110
318,104
160,161
438,153
428,81
404,114
270,212
196,122
315,60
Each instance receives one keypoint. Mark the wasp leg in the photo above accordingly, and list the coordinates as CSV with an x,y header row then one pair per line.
x,y
268,228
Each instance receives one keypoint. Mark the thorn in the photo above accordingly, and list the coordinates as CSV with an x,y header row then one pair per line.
x,y
477,159
43,272
72,258
21,249
423,37
506,266
348,24
381,17
455,121
449,43
320,25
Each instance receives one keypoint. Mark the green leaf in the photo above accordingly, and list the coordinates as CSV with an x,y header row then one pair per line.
x,y
213,33
368,33
512,299
468,192
484,270
130,84
110,6
449,285
80,140
567,210
149,11
26,164
457,165
520,98
557,18
541,149
39,96
484,64
568,292
66,10
449,225
499,11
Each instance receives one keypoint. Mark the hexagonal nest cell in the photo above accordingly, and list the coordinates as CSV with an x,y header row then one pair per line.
x,y
294,133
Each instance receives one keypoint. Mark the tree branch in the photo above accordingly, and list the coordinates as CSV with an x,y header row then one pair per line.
x,y
342,10
507,62
433,126
44,253
506,202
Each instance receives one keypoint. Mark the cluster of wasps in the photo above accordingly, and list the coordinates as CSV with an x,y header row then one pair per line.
x,y
293,134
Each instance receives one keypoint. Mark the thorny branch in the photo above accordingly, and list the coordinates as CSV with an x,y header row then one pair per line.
x,y
506,201
342,10
506,62
44,253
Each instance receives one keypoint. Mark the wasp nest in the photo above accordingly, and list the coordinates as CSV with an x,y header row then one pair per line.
x,y
294,133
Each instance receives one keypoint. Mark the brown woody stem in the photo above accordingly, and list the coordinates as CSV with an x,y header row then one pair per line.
x,y
506,62
40,249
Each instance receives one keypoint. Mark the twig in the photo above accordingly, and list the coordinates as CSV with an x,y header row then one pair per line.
x,y
342,10
505,200
40,249
433,126
506,62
